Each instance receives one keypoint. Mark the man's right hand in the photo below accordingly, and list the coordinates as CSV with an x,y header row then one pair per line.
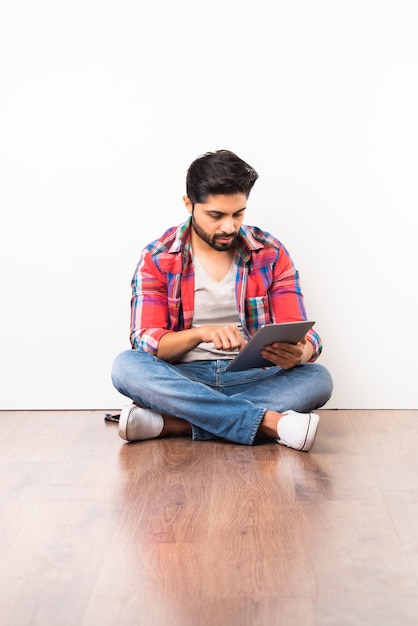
x,y
173,345
223,337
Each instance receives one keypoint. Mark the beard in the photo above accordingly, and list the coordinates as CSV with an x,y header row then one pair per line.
x,y
213,240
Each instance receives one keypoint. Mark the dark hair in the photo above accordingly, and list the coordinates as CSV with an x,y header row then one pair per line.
x,y
218,173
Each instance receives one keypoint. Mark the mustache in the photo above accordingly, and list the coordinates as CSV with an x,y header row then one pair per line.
x,y
223,236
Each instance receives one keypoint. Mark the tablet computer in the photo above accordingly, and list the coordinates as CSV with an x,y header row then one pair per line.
x,y
249,356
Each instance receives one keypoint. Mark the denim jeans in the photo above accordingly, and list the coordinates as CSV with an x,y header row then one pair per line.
x,y
216,402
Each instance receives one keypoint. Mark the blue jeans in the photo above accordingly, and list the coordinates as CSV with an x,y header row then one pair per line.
x,y
218,403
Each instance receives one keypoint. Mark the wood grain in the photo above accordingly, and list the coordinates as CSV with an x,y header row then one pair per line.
x,y
95,531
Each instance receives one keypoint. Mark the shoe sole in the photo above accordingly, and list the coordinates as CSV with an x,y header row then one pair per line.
x,y
310,433
123,423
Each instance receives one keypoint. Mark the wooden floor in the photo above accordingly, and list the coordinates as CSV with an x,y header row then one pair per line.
x,y
98,532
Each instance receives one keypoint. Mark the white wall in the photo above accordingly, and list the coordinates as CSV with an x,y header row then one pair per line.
x,y
103,105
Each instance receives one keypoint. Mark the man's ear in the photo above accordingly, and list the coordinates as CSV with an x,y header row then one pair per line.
x,y
188,204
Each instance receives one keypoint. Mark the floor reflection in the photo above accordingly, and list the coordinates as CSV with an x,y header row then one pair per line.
x,y
216,526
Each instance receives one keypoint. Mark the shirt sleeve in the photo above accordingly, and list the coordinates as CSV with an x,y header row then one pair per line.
x,y
286,298
149,305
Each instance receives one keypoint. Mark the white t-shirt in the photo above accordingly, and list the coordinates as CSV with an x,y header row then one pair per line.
x,y
214,303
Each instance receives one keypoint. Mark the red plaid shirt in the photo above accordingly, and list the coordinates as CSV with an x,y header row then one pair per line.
x,y
267,286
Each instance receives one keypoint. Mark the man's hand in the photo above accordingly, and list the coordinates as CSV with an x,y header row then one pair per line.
x,y
174,345
223,337
288,355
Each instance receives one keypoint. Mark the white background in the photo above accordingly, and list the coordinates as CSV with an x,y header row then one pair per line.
x,y
103,107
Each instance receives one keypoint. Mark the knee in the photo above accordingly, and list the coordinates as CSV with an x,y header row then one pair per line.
x,y
324,384
119,368
129,367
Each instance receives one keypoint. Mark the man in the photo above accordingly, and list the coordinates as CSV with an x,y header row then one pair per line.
x,y
198,293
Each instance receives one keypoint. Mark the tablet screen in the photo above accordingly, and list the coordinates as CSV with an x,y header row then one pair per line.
x,y
287,332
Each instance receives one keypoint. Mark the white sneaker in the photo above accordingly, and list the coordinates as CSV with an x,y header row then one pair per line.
x,y
137,423
297,430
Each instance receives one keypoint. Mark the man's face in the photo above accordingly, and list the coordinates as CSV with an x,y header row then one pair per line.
x,y
217,221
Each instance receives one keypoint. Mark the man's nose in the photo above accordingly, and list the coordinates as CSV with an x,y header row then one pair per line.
x,y
228,225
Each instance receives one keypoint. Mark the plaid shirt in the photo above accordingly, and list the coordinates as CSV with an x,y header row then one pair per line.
x,y
267,286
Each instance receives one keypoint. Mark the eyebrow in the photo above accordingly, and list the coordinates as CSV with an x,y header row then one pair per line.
x,y
216,212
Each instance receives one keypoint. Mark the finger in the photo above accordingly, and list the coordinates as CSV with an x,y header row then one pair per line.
x,y
226,339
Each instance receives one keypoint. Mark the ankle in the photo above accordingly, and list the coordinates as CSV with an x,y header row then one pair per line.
x,y
174,426
268,425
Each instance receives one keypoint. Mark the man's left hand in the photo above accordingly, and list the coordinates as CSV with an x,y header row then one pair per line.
x,y
288,355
